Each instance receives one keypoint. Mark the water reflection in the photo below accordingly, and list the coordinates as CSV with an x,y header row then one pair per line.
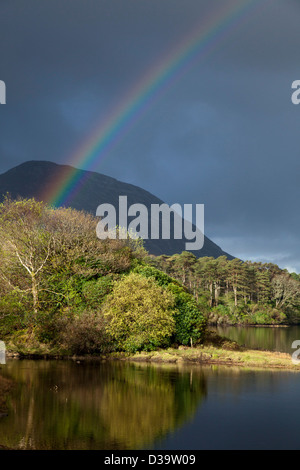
x,y
5,389
270,338
66,405
244,409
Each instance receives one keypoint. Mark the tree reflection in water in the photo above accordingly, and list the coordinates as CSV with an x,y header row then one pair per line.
x,y
65,405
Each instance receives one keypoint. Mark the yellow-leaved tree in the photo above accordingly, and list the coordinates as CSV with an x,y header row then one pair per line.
x,y
140,314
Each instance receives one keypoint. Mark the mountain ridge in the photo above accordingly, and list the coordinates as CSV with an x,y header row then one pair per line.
x,y
34,177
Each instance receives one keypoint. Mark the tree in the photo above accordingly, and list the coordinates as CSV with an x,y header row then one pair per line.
x,y
189,315
26,246
190,319
183,266
236,276
286,291
47,254
220,276
79,251
263,286
139,313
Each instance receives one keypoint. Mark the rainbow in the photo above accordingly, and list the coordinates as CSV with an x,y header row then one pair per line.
x,y
204,38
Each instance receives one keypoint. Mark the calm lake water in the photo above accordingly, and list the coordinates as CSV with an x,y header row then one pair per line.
x,y
118,406
270,338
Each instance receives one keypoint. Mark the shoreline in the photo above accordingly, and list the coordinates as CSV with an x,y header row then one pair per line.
x,y
184,355
244,358
254,325
216,350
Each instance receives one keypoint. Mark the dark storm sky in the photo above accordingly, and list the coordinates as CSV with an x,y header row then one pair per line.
x,y
226,134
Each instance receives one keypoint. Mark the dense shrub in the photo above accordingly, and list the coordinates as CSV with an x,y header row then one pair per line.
x,y
248,314
161,278
190,320
84,332
12,314
95,291
189,316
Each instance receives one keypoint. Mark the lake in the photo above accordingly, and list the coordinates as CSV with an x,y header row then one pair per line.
x,y
48,404
262,337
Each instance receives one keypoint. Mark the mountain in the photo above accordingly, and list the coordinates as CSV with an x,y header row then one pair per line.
x,y
35,178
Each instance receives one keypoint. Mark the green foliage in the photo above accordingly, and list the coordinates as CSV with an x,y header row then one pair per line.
x,y
95,291
249,314
12,314
161,278
189,317
139,314
230,288
190,321
53,268
56,274
62,286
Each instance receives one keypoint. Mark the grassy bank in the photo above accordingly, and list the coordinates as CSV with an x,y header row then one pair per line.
x,y
214,355
202,355
222,351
